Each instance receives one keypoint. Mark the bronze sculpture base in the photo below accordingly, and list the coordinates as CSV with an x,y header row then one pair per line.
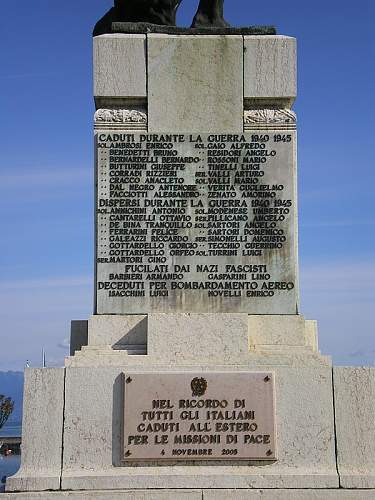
x,y
160,12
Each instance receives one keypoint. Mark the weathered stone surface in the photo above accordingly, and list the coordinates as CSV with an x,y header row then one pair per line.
x,y
287,330
213,339
305,420
105,356
210,477
119,68
270,71
268,118
42,429
192,338
110,495
198,234
311,332
134,117
269,75
92,425
354,390
121,332
292,494
195,83
235,494
92,446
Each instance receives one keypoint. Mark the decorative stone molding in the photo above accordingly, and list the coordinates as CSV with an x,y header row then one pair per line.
x,y
270,118
120,116
133,119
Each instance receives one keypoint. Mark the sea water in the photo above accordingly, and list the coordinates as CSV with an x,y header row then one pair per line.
x,y
9,465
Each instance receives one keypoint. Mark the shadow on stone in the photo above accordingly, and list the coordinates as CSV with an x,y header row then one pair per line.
x,y
117,417
137,336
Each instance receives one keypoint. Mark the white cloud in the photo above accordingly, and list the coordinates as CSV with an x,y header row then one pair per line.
x,y
341,296
338,223
46,177
339,277
36,314
334,191
64,344
323,193
38,185
46,283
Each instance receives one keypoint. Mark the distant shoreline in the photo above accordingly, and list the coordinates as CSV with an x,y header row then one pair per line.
x,y
11,429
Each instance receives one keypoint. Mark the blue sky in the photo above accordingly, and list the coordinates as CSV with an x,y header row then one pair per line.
x,y
46,176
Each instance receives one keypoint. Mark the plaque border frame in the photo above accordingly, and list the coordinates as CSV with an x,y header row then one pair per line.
x,y
131,461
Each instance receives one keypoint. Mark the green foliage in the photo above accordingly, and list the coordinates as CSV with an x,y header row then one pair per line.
x,y
6,408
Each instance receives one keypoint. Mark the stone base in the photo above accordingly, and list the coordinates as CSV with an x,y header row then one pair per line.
x,y
196,339
92,443
72,427
196,494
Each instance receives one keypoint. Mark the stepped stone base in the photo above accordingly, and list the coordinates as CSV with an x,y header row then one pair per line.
x,y
243,494
193,339
324,415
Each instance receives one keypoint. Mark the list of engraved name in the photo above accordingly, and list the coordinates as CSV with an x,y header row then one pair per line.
x,y
188,213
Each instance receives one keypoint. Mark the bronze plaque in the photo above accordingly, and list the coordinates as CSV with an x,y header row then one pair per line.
x,y
199,416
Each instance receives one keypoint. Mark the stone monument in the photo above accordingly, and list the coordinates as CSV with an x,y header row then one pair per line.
x,y
197,377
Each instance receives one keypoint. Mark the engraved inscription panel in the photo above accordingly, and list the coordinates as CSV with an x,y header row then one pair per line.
x,y
199,416
196,223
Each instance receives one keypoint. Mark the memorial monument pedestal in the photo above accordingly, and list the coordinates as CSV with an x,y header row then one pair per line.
x,y
173,318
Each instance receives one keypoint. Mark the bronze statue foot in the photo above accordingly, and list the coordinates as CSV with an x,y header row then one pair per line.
x,y
210,13
161,12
